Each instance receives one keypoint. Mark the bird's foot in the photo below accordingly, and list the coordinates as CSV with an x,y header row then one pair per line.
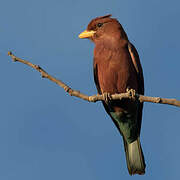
x,y
107,97
131,92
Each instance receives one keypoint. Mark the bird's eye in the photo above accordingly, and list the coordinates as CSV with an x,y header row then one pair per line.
x,y
99,24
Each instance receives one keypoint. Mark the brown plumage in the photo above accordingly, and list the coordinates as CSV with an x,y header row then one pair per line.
x,y
116,68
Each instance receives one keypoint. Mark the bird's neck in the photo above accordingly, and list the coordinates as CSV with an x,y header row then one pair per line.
x,y
110,44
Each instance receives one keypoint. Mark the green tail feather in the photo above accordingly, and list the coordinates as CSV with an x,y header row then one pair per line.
x,y
134,157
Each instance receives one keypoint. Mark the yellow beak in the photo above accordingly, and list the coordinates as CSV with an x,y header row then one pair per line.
x,y
86,34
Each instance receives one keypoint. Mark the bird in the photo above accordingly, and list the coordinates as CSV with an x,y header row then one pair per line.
x,y
117,68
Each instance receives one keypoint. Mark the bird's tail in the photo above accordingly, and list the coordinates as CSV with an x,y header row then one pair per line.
x,y
134,157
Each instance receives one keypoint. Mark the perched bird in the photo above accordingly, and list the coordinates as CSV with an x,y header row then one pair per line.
x,y
116,68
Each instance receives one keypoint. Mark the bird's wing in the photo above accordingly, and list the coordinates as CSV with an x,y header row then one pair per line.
x,y
137,65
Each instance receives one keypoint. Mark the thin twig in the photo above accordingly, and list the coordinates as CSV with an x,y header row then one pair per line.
x,y
98,97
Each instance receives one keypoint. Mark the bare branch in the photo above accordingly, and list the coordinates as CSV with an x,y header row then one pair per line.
x,y
128,95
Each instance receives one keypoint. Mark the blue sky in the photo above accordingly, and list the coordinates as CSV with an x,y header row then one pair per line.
x,y
46,134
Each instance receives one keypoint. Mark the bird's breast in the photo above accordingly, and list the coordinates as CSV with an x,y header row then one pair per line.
x,y
115,72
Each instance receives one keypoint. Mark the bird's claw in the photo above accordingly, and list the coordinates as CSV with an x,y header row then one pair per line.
x,y
131,92
107,97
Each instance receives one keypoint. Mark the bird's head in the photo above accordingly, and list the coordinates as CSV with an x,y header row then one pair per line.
x,y
104,28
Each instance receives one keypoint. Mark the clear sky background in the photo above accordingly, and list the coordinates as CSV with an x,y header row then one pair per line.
x,y
46,134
